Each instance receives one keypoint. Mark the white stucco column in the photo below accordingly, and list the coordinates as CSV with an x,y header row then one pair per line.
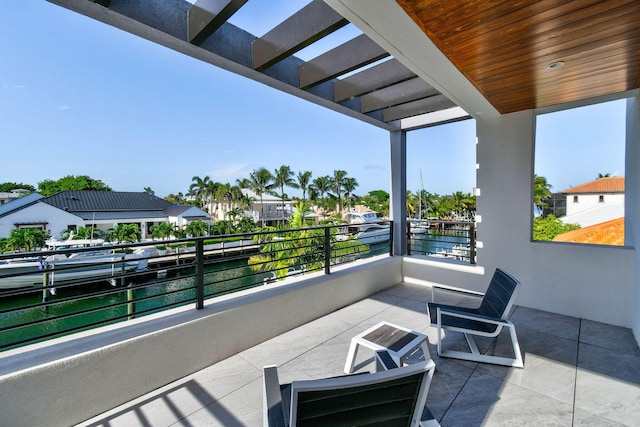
x,y
504,180
632,199
398,208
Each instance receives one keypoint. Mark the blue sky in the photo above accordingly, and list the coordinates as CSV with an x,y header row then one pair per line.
x,y
78,97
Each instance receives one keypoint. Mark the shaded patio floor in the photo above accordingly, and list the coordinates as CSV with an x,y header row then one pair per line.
x,y
577,372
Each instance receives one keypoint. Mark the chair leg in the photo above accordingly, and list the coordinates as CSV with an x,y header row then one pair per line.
x,y
351,357
476,356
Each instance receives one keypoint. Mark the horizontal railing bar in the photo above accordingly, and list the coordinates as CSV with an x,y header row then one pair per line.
x,y
93,309
225,270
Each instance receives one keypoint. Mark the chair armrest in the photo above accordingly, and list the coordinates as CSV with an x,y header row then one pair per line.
x,y
384,361
454,291
272,399
471,316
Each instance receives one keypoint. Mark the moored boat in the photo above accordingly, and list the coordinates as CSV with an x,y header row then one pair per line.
x,y
59,268
366,227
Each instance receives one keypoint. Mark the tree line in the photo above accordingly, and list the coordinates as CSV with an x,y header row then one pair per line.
x,y
330,193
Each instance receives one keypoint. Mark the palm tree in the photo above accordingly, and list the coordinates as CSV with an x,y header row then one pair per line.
x,y
161,231
234,215
443,207
303,182
197,228
283,177
464,203
322,185
337,184
210,194
429,202
604,175
541,192
350,184
228,194
124,233
299,249
313,194
245,201
176,198
243,183
199,189
27,239
260,182
411,201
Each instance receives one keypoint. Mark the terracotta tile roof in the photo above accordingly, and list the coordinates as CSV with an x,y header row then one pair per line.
x,y
614,184
605,233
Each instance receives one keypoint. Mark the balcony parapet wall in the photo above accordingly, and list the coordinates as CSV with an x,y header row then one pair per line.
x,y
71,379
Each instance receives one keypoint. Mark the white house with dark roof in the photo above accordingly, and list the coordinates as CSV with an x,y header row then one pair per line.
x,y
100,209
31,212
595,202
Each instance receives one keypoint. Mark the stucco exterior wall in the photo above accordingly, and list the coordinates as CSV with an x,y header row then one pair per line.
x,y
57,220
589,201
587,281
632,183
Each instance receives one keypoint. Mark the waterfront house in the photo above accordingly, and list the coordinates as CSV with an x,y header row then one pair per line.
x,y
595,202
68,210
267,211
31,212
498,63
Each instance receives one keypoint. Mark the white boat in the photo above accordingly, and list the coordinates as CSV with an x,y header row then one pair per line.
x,y
418,227
366,227
459,252
27,272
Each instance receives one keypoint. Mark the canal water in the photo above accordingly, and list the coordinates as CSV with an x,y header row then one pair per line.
x,y
79,313
63,316
439,242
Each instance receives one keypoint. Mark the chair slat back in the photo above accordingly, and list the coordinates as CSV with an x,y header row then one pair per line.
x,y
500,295
363,400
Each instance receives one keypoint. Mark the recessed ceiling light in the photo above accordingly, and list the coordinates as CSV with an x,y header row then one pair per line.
x,y
556,64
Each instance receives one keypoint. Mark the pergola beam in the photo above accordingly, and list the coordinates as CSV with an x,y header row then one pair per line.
x,y
206,16
373,78
407,91
309,24
414,108
231,48
347,57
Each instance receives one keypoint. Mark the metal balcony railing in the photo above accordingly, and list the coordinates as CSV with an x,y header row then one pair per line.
x,y
443,239
53,293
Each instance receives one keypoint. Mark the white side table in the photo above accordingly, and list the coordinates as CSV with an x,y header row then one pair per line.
x,y
398,341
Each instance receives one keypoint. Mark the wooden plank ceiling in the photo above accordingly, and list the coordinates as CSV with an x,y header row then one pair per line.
x,y
505,47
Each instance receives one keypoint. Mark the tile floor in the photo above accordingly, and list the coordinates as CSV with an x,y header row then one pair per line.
x,y
577,372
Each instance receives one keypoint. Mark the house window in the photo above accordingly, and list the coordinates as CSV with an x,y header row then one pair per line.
x,y
35,225
601,199
72,227
575,199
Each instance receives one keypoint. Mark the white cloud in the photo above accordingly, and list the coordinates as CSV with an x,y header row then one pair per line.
x,y
230,172
374,167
